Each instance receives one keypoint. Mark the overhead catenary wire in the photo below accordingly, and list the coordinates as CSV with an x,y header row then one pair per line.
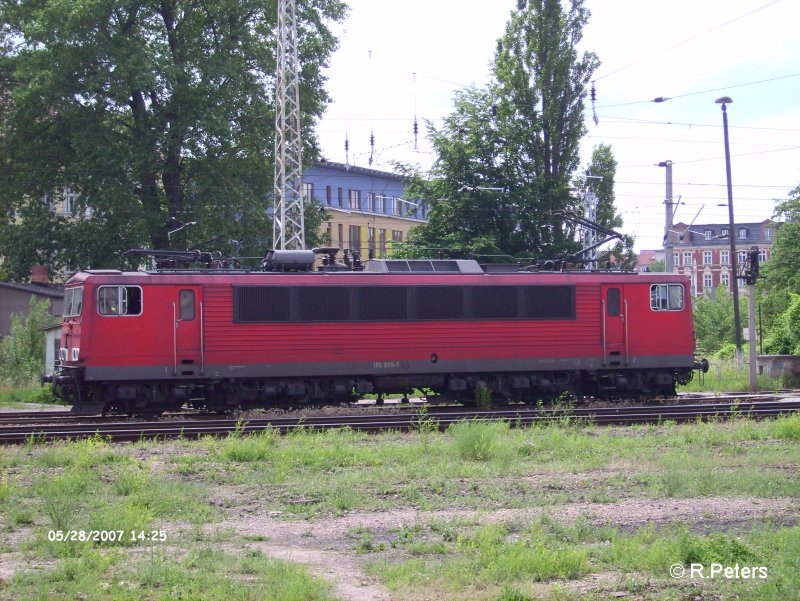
x,y
660,99
688,40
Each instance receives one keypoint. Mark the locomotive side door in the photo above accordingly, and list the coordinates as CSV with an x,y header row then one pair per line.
x,y
614,325
187,312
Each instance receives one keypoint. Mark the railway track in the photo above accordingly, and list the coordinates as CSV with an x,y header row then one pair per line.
x,y
120,431
31,417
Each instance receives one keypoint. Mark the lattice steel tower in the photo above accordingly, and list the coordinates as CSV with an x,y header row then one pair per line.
x,y
288,228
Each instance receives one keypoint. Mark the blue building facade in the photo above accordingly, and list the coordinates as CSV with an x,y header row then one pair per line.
x,y
367,209
340,186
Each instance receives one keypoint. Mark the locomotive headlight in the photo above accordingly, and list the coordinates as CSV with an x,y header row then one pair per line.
x,y
75,353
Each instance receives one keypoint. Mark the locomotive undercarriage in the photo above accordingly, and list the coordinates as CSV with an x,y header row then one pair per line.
x,y
153,398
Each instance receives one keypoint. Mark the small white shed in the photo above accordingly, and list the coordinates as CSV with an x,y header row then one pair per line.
x,y
53,341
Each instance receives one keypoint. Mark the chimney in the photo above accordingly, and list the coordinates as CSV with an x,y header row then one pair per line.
x,y
39,275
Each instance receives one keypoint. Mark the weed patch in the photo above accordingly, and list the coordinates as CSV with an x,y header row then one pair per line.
x,y
787,428
479,441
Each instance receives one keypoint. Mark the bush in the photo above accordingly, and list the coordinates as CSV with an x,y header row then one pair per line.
x,y
784,338
479,441
726,352
22,351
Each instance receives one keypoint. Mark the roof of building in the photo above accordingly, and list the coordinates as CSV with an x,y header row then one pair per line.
x,y
696,234
359,170
48,290
372,215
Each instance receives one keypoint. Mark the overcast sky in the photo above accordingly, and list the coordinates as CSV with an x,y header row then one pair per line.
x,y
401,59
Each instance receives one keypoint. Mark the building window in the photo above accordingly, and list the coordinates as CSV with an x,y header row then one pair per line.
x,y
768,234
328,195
341,235
355,238
707,280
724,233
355,199
372,199
725,280
397,236
742,232
762,255
308,192
340,196
724,257
708,234
382,241
687,258
676,258
742,257
707,257
69,201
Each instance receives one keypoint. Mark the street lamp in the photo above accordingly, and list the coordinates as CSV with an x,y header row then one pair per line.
x,y
725,100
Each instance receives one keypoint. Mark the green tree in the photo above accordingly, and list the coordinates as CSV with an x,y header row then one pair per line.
x,y
781,275
22,351
784,336
507,152
158,113
713,319
604,165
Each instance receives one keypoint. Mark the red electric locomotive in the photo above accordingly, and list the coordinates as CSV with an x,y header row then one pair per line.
x,y
139,342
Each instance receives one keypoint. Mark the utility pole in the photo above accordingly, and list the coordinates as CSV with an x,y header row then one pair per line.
x,y
668,262
725,100
288,227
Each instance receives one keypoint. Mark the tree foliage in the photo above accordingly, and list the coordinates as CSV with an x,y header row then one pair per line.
x,y
781,273
713,320
784,336
157,112
777,292
604,165
22,351
505,155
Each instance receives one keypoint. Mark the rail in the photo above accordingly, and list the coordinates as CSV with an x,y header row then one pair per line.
x,y
195,428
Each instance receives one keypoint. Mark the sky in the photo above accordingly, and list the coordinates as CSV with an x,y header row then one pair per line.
x,y
398,60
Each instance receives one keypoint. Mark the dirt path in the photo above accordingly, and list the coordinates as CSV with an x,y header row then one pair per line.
x,y
326,546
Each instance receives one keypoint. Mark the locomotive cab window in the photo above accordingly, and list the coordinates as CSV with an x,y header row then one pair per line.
x,y
666,297
73,302
119,300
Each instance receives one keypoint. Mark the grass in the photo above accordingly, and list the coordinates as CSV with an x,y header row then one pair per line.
x,y
201,573
94,485
483,466
15,397
728,375
491,560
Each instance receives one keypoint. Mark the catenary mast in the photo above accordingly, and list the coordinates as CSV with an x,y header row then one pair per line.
x,y
288,228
